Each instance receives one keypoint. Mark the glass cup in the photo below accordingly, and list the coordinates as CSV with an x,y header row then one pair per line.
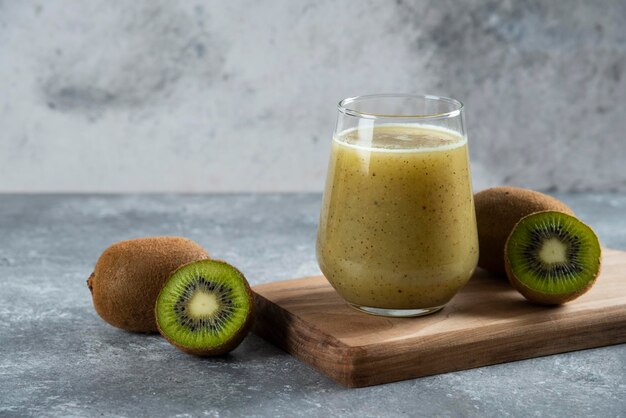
x,y
397,233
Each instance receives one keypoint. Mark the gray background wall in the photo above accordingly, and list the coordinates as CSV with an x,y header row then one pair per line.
x,y
240,95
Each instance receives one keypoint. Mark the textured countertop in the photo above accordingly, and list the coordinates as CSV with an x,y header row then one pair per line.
x,y
58,358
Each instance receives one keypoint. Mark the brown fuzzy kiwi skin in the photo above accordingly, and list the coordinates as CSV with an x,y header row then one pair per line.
x,y
228,345
129,275
498,210
543,298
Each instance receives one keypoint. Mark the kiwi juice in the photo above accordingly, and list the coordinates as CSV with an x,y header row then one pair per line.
x,y
398,227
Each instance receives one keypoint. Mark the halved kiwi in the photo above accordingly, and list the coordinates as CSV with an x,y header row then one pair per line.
x,y
205,308
552,257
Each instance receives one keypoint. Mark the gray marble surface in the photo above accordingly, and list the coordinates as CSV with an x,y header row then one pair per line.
x,y
101,95
58,358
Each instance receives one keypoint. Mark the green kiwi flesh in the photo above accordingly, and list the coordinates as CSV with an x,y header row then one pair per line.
x,y
552,257
205,308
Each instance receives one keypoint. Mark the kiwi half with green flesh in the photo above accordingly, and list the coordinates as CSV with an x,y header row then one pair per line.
x,y
552,257
205,308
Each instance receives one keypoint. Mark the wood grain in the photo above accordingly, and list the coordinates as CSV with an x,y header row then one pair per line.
x,y
488,322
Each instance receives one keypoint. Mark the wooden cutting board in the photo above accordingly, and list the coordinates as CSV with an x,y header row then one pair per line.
x,y
487,322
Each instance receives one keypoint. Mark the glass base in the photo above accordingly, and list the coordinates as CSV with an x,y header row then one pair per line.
x,y
396,313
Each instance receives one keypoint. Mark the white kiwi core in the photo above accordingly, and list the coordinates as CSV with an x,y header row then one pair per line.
x,y
203,304
553,251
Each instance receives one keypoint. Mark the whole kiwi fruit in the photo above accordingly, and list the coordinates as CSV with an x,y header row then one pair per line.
x,y
205,308
498,210
552,258
129,274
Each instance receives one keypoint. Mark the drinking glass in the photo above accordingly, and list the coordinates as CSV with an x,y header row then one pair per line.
x,y
397,232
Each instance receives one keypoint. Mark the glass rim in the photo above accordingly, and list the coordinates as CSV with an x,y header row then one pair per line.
x,y
342,106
